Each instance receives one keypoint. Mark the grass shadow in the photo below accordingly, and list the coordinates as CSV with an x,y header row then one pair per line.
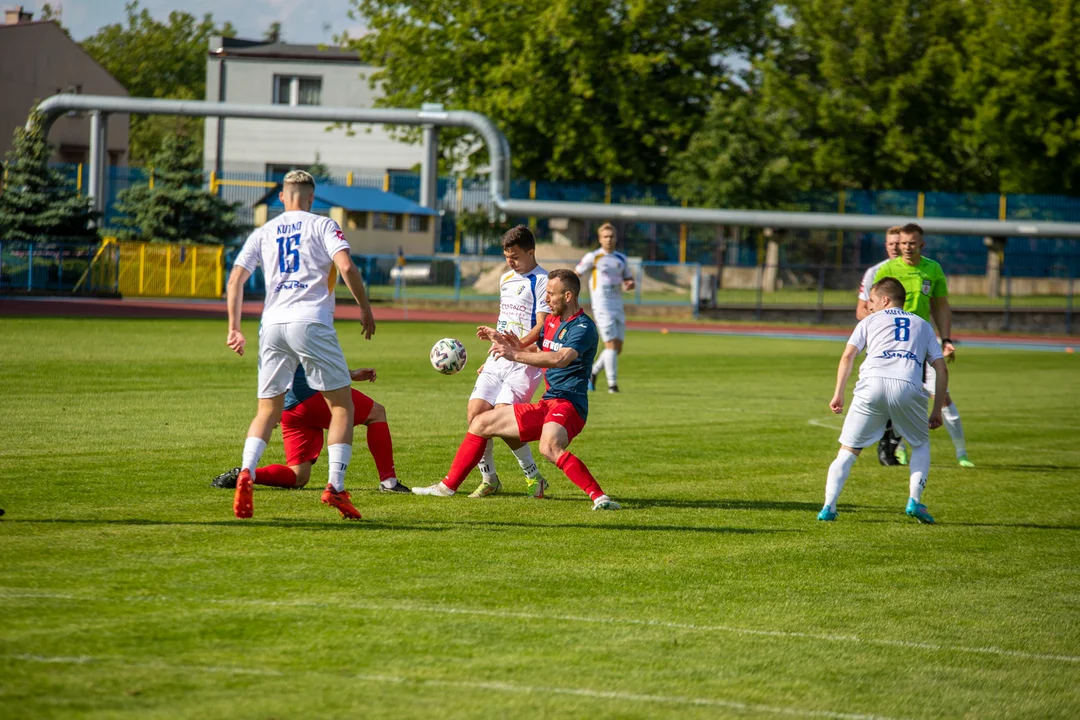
x,y
328,524
729,504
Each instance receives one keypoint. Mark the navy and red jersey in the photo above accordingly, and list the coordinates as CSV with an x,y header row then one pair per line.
x,y
299,391
571,383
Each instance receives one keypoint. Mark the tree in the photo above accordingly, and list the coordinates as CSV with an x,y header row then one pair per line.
x,y
160,60
177,208
318,169
273,33
583,89
745,156
1020,83
36,201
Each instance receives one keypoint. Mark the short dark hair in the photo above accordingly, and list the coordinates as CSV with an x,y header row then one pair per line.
x,y
519,236
892,289
912,229
568,278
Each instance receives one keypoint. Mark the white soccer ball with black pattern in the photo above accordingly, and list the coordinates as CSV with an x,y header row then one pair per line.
x,y
448,356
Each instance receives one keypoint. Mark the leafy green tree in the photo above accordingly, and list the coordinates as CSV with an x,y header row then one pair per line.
x,y
159,60
583,89
177,208
1020,81
36,201
273,33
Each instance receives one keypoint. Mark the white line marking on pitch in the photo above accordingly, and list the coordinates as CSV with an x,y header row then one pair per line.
x,y
508,614
821,424
468,685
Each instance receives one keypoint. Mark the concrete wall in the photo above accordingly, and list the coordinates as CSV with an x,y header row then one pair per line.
x,y
37,60
251,145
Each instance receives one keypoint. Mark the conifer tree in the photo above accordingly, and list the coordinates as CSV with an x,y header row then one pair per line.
x,y
176,208
37,202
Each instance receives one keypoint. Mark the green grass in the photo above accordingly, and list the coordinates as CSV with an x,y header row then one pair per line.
x,y
127,589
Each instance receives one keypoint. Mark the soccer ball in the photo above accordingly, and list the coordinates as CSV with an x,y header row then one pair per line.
x,y
448,356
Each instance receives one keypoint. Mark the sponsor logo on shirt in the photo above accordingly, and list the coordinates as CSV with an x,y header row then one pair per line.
x,y
291,285
339,234
552,345
900,355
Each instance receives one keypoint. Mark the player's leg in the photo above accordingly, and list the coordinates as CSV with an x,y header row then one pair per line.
x,y
277,364
839,471
955,428
612,349
907,407
324,362
863,426
555,439
519,386
302,435
380,444
485,392
499,422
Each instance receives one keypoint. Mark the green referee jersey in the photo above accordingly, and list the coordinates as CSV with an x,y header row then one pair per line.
x,y
921,282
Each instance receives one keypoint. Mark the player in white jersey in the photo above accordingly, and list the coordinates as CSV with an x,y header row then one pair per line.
x,y
898,345
522,312
890,442
892,251
607,274
300,254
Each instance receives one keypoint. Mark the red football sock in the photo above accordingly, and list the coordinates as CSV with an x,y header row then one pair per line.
x,y
467,457
276,476
381,448
579,475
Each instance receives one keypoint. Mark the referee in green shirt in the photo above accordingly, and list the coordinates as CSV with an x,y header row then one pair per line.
x,y
927,297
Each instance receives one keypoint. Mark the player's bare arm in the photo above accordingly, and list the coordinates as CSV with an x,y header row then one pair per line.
x,y
941,311
355,282
843,372
533,357
628,284
862,309
362,375
235,339
941,385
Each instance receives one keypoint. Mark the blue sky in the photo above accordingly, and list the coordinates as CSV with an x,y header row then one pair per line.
x,y
302,21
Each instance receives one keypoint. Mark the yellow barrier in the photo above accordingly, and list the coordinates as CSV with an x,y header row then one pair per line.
x,y
144,269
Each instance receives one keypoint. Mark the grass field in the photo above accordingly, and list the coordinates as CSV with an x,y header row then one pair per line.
x,y
127,589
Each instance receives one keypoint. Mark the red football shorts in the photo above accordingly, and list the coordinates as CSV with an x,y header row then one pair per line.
x,y
531,418
302,427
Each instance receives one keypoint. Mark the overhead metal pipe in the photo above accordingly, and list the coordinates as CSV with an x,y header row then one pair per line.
x,y
499,156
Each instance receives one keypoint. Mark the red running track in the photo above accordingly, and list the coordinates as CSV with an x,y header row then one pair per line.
x,y
179,309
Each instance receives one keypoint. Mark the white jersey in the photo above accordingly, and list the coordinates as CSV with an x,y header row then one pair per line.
x,y
897,344
868,280
296,251
606,273
521,297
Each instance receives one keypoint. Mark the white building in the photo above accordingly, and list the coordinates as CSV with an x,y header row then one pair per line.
x,y
262,73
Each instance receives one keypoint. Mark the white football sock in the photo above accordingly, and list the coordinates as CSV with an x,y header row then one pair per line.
x,y
920,469
340,455
487,463
254,447
956,430
525,460
838,475
599,364
610,358
389,483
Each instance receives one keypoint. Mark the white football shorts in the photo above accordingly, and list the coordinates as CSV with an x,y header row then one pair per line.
x,y
503,382
610,326
876,401
283,346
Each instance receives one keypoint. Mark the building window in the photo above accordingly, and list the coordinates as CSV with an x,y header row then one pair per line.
x,y
418,223
385,221
277,172
294,90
